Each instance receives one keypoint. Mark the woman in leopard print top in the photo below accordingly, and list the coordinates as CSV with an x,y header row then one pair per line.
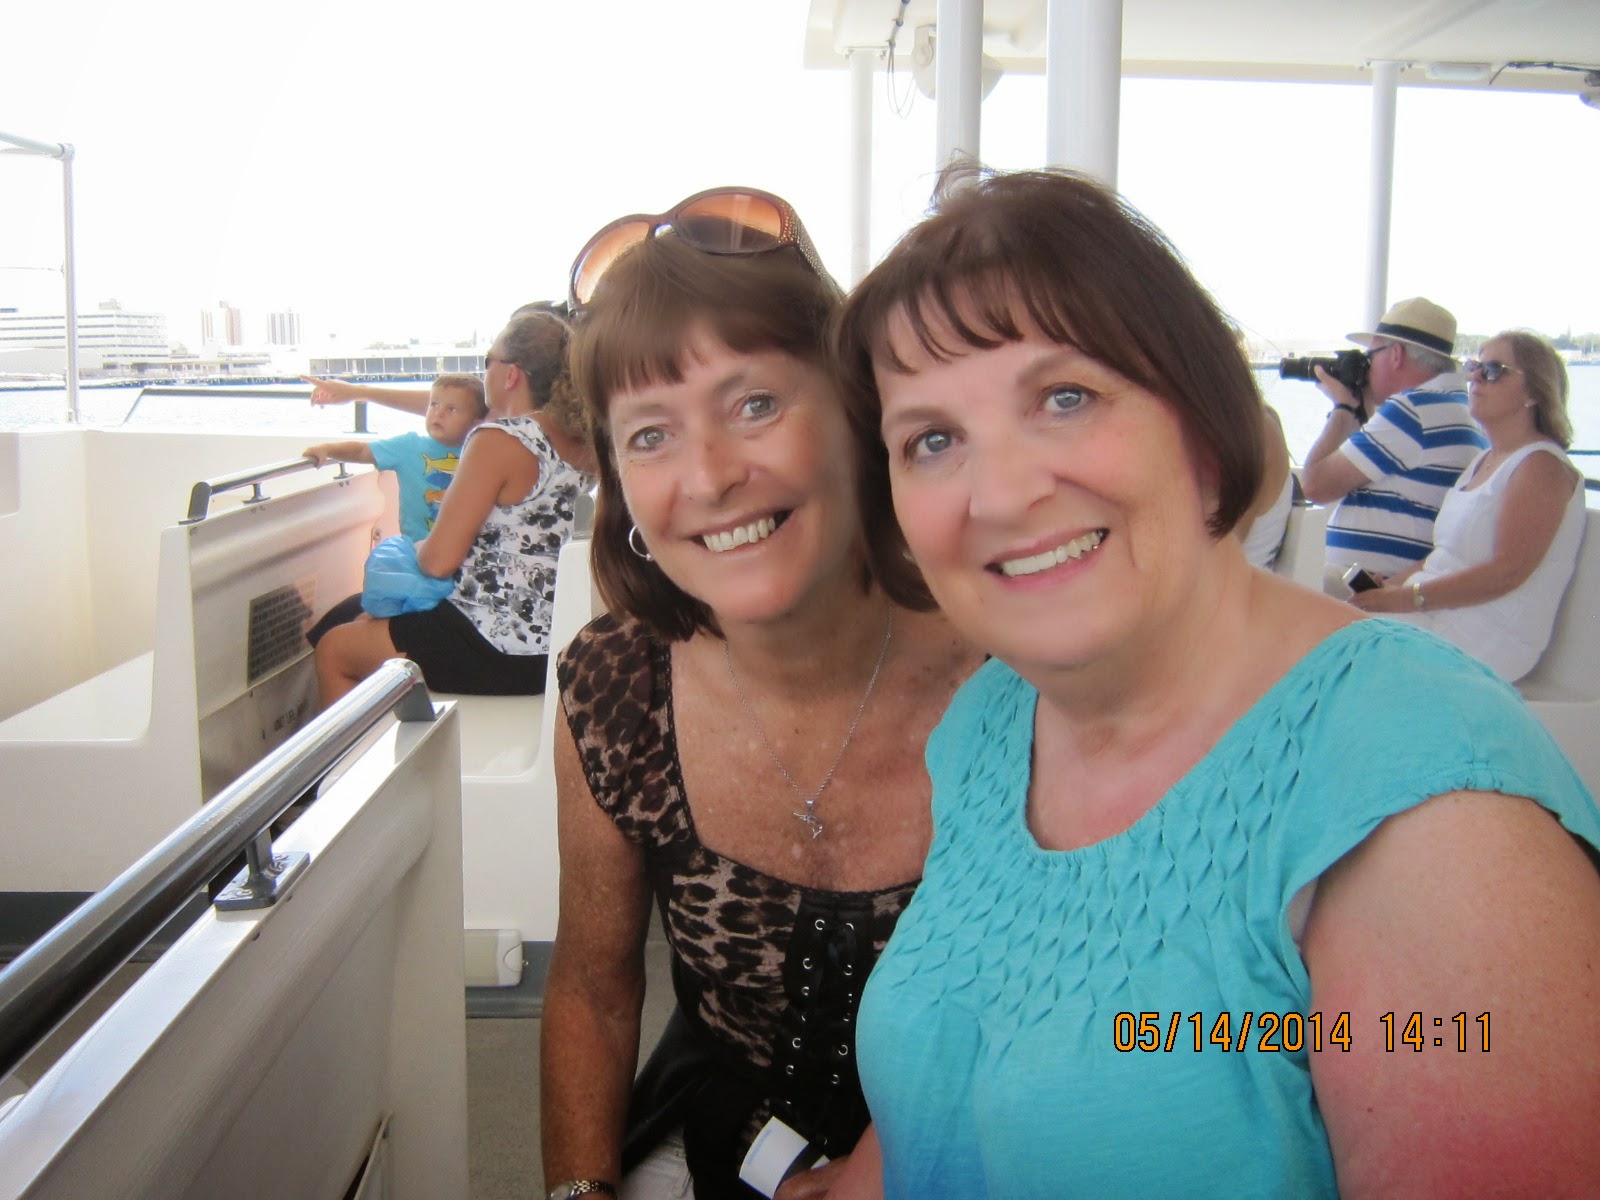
x,y
744,730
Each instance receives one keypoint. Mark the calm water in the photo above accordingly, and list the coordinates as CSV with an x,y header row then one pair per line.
x,y
221,410
1302,407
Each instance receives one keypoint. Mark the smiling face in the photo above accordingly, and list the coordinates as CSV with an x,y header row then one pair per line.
x,y
738,478
1054,508
452,412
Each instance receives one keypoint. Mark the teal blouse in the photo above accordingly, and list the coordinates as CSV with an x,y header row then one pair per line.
x,y
991,1040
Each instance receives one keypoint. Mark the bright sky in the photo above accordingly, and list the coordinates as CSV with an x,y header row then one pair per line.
x,y
407,171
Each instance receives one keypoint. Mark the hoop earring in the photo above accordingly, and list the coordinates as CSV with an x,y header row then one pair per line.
x,y
633,532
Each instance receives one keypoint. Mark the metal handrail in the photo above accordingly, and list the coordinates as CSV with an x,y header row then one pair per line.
x,y
200,495
163,389
43,986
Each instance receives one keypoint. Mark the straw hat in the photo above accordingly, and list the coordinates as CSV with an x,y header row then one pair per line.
x,y
1417,321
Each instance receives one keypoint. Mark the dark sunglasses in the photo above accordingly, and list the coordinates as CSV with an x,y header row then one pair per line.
x,y
734,221
490,359
1489,369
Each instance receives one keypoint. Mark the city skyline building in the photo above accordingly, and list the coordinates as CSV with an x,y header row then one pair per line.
x,y
222,325
36,342
284,329
413,362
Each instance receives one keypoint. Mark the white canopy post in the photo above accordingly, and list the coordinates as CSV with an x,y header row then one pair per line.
x,y
1380,197
69,274
958,80
862,62
1083,85
63,152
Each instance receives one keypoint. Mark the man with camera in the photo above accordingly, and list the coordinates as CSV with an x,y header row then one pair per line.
x,y
1397,438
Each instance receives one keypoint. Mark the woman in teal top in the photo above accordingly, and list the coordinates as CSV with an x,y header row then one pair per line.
x,y
1229,894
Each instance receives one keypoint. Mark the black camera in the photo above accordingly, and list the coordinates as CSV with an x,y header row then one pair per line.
x,y
1349,367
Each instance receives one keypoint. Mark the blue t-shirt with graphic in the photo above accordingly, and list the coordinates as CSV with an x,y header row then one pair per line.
x,y
424,467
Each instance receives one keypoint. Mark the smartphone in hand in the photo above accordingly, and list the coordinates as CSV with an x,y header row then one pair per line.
x,y
1359,579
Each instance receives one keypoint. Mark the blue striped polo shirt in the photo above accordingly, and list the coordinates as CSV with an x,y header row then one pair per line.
x,y
1412,451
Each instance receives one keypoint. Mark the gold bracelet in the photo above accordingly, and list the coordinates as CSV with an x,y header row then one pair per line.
x,y
1417,601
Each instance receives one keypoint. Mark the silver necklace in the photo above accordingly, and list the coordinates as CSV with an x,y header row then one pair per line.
x,y
807,813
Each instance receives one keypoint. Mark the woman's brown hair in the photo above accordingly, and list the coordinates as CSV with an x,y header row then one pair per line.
x,y
1061,252
636,331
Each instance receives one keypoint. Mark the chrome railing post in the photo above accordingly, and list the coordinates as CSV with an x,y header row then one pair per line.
x,y
264,878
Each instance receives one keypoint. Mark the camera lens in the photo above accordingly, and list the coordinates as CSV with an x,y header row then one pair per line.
x,y
1349,367
1301,368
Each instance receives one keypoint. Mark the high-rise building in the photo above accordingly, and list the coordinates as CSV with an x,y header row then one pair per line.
x,y
222,325
283,328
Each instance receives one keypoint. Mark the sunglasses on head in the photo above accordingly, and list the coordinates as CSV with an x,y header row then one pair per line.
x,y
1489,369
733,221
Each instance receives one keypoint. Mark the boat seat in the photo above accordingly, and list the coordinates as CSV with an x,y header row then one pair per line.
x,y
130,752
499,734
508,782
111,706
502,735
1563,690
87,510
1304,550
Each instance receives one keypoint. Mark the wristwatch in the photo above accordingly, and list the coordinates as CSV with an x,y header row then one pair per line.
x,y
580,1187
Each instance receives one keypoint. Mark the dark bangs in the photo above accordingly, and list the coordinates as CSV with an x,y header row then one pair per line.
x,y
635,332
1060,251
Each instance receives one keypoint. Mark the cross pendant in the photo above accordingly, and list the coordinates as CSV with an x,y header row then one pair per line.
x,y
811,819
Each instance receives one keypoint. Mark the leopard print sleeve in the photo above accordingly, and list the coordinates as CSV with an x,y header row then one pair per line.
x,y
615,689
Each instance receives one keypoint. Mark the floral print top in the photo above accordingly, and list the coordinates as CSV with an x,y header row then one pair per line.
x,y
507,585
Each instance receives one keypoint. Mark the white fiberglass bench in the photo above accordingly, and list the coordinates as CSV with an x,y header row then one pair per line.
x,y
96,773
508,781
1304,550
81,514
1564,689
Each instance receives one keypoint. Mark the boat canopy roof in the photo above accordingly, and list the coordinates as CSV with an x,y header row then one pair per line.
x,y
1513,45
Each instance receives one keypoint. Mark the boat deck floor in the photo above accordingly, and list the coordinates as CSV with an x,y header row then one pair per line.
x,y
503,1087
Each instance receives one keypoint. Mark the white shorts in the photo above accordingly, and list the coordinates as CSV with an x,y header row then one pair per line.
x,y
663,1175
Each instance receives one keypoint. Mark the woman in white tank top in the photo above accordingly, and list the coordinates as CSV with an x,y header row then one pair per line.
x,y
1263,525
1507,536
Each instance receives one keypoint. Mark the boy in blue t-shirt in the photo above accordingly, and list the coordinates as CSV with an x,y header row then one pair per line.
x,y
423,465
